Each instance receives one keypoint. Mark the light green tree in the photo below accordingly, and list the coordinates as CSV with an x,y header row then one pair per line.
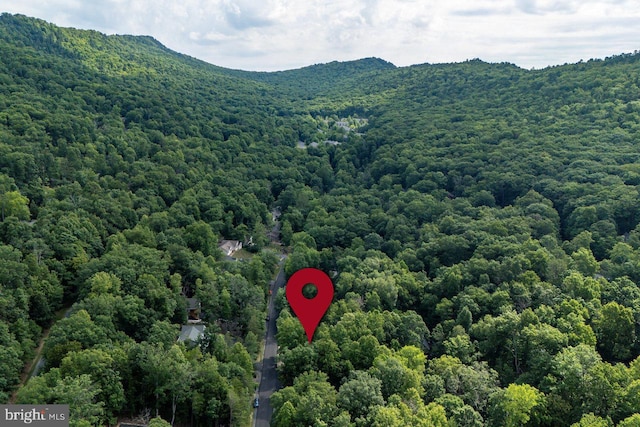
x,y
590,420
158,422
12,203
513,406
632,421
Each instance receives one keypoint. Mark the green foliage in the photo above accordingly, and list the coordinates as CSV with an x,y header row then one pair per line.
x,y
360,394
480,223
513,406
11,353
590,420
103,372
79,392
615,331
12,203
632,421
158,422
310,400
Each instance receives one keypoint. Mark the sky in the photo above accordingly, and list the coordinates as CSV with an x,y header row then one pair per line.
x,y
270,35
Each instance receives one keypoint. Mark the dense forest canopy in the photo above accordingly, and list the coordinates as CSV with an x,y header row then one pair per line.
x,y
480,220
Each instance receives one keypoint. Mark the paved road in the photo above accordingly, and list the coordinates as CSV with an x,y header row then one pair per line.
x,y
268,376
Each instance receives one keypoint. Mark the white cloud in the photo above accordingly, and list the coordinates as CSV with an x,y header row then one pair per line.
x,y
280,34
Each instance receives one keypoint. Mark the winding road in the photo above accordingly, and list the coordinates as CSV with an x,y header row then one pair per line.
x,y
267,376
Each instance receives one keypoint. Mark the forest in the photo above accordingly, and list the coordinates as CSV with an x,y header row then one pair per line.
x,y
481,223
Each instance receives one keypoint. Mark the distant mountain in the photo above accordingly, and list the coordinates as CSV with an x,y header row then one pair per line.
x,y
125,55
113,55
323,78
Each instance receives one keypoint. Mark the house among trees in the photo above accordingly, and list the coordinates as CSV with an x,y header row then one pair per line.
x,y
193,310
228,247
191,333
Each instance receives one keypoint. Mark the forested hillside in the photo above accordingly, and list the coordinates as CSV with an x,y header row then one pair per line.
x,y
480,220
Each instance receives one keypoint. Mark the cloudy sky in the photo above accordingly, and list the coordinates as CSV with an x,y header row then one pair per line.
x,y
283,34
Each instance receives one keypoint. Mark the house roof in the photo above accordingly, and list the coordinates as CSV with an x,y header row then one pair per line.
x,y
193,303
230,246
191,332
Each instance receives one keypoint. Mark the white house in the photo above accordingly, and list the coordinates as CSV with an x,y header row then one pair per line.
x,y
228,247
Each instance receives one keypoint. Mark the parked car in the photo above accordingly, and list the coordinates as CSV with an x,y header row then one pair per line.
x,y
256,403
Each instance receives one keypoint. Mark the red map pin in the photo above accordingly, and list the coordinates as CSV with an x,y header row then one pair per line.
x,y
309,310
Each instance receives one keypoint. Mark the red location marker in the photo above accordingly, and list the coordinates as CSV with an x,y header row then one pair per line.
x,y
309,310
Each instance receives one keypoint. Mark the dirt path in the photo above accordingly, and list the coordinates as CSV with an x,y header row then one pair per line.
x,y
30,367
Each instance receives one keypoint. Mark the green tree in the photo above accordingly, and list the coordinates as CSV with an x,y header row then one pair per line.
x,y
473,383
567,383
465,318
158,422
290,331
73,333
200,237
458,412
80,393
285,416
579,286
12,203
396,377
10,361
103,283
590,420
210,391
167,376
359,394
312,398
409,412
514,405
615,331
632,421
296,361
103,372
584,261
